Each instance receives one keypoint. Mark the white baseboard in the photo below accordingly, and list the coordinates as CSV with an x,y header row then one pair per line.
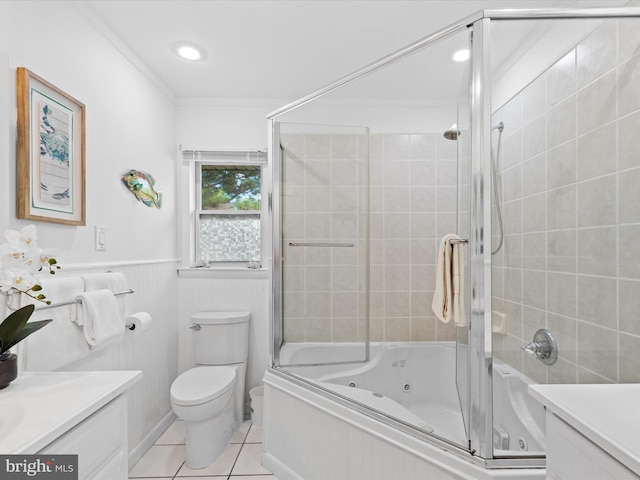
x,y
147,442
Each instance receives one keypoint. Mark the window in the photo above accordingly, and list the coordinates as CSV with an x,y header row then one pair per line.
x,y
228,205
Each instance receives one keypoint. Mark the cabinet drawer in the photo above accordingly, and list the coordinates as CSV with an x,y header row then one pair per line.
x,y
95,439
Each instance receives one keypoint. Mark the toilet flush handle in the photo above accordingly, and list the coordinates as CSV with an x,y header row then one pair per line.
x,y
195,326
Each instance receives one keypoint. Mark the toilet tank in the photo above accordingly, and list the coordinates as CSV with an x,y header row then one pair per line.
x,y
223,337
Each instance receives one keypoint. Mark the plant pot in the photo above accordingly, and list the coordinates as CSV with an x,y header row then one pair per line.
x,y
8,368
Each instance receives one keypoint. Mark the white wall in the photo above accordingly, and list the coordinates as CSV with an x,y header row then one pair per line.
x,y
130,123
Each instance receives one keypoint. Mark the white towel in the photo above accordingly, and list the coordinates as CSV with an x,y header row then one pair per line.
x,y
58,290
448,298
62,341
100,317
113,281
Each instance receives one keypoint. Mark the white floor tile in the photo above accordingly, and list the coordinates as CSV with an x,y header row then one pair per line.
x,y
241,432
159,461
222,465
255,435
174,435
250,461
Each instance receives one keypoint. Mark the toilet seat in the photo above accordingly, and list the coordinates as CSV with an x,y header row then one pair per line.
x,y
202,384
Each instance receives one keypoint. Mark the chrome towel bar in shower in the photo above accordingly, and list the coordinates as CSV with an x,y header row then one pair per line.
x,y
304,244
455,241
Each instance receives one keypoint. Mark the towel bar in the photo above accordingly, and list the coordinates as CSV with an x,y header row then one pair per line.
x,y
319,244
454,241
70,302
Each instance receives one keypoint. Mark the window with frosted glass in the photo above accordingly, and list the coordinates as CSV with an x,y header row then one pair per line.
x,y
229,214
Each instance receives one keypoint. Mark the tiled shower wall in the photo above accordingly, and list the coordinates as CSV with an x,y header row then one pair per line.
x,y
412,200
570,177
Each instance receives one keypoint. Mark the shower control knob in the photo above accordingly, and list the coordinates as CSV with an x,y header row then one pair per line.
x,y
195,327
543,347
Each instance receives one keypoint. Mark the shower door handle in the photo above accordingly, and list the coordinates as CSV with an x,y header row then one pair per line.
x,y
319,244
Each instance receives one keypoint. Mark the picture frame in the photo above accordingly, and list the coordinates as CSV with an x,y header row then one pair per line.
x,y
50,152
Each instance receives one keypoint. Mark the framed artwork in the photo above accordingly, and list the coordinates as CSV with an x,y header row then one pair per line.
x,y
50,151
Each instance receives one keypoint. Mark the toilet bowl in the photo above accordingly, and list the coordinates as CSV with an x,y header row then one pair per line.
x,y
202,392
202,397
210,396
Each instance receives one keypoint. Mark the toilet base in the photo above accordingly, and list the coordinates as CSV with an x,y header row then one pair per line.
x,y
208,438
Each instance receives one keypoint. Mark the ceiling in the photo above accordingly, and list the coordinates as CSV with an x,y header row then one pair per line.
x,y
285,49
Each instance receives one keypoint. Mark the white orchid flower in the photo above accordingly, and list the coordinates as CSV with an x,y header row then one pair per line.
x,y
25,239
21,259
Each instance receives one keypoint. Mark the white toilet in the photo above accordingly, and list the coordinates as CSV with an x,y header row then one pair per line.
x,y
210,396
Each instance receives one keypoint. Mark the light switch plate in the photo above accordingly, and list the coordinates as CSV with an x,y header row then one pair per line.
x,y
101,237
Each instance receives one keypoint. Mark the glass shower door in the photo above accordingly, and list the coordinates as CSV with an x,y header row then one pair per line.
x,y
322,209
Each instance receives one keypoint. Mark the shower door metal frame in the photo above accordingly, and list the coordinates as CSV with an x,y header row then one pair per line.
x,y
277,330
479,342
480,334
480,349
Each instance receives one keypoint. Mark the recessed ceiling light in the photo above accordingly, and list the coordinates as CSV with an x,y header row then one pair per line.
x,y
461,55
189,51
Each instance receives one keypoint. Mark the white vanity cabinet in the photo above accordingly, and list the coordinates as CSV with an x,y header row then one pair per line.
x,y
79,413
591,431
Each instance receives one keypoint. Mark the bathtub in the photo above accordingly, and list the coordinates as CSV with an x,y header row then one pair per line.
x,y
399,411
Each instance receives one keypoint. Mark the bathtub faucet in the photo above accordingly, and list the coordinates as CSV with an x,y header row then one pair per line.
x,y
543,347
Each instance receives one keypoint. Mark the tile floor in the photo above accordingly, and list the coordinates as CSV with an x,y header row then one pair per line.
x,y
239,461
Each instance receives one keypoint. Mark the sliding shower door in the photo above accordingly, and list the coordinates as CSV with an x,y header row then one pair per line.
x,y
322,209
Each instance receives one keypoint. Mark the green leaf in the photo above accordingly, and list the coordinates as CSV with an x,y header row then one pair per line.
x,y
36,288
28,329
11,327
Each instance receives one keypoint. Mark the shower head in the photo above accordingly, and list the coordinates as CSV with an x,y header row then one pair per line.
x,y
451,134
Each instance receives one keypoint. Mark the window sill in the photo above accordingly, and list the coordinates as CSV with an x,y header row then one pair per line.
x,y
223,272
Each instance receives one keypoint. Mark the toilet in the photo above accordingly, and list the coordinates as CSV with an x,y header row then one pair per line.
x,y
210,396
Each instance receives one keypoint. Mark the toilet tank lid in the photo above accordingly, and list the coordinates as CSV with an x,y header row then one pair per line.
x,y
220,318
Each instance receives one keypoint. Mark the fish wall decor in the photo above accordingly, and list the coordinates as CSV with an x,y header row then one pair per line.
x,y
142,184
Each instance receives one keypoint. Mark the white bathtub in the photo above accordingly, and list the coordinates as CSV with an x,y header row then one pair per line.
x,y
414,383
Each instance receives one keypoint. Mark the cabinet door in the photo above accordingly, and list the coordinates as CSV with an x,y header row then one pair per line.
x,y
96,440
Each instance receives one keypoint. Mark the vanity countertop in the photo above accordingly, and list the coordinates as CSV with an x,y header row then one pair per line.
x,y
38,407
608,415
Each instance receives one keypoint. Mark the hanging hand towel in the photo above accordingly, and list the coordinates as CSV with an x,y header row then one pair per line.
x,y
100,317
113,281
448,299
